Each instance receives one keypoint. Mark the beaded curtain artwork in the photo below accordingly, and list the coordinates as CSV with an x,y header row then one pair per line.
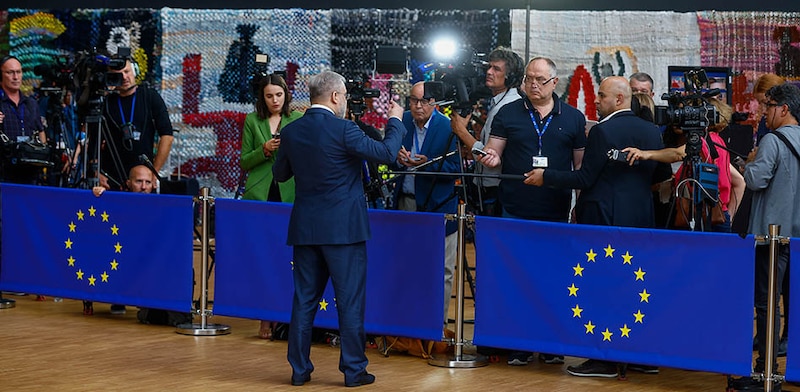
x,y
39,36
751,43
208,63
588,46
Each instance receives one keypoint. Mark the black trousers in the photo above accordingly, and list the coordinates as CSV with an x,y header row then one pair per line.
x,y
762,298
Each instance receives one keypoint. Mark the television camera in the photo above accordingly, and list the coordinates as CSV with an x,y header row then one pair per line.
x,y
689,110
460,84
356,94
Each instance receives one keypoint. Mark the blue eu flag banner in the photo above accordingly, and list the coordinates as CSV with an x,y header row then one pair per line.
x,y
405,269
653,297
124,248
793,354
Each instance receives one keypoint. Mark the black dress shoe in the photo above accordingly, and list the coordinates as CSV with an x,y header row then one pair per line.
x,y
363,379
300,381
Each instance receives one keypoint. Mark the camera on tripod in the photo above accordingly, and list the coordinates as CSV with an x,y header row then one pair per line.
x,y
357,93
461,83
56,76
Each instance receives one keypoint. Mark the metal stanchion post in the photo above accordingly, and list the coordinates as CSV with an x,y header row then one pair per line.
x,y
772,303
204,328
459,359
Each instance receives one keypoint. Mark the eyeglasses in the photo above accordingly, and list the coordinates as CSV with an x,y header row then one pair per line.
x,y
772,104
541,82
418,101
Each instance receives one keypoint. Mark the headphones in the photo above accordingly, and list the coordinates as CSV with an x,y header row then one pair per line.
x,y
5,59
514,70
134,67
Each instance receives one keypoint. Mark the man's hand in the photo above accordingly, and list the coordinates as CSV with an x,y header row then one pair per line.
x,y
104,182
535,177
458,124
395,110
491,159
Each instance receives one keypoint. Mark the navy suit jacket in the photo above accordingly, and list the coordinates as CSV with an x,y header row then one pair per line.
x,y
324,154
438,141
614,193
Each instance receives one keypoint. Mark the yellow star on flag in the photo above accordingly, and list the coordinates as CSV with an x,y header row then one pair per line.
x,y
576,311
573,291
80,215
639,317
626,258
80,274
114,230
114,264
578,270
639,274
645,296
607,335
591,255
68,243
117,248
104,277
92,210
625,331
323,305
71,261
589,327
609,251
91,280
105,216
72,227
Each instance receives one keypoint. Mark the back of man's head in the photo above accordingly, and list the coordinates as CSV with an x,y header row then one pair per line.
x,y
323,84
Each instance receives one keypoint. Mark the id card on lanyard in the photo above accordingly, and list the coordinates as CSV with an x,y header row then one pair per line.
x,y
539,161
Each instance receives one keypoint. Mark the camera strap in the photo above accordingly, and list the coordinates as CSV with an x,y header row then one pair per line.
x,y
712,148
786,141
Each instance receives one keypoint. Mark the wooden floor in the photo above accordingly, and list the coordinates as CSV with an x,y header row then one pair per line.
x,y
52,346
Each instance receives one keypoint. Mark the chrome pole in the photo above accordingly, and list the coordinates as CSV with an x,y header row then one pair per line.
x,y
772,303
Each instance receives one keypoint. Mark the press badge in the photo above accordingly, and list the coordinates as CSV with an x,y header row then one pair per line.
x,y
136,135
23,139
540,162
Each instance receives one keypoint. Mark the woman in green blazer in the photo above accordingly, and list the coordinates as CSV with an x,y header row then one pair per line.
x,y
260,142
261,139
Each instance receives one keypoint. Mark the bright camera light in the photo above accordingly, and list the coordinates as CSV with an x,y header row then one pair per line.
x,y
444,48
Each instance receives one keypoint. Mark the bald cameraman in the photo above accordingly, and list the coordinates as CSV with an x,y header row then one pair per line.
x,y
133,116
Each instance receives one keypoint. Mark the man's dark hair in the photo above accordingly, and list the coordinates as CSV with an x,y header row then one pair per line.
x,y
786,94
514,65
643,77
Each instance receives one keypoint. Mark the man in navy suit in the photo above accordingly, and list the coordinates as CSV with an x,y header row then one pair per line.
x,y
428,137
329,226
614,193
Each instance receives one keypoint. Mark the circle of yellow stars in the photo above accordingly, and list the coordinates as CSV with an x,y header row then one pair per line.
x,y
644,296
81,217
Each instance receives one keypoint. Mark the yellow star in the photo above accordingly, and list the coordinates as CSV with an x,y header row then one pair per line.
x,y
80,274
639,317
607,335
292,263
92,210
589,327
117,248
573,291
105,216
639,274
104,276
626,258
72,227
71,261
578,270
323,305
91,280
114,230
645,296
590,255
609,251
114,264
68,243
80,215
625,331
576,311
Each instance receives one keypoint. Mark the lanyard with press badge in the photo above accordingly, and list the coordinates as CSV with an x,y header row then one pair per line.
x,y
128,129
539,160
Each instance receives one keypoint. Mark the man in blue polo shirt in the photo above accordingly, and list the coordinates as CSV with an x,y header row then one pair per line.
x,y
536,131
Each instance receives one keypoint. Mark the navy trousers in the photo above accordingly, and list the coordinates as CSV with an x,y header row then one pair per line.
x,y
346,265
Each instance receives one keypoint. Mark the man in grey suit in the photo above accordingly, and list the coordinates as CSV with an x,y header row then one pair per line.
x,y
329,226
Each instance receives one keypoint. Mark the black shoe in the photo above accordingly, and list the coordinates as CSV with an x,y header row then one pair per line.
x,y
518,358
782,345
646,369
755,344
363,379
551,359
750,384
299,381
594,368
117,309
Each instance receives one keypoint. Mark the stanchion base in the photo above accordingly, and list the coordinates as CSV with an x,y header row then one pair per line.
x,y
196,329
466,361
6,303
